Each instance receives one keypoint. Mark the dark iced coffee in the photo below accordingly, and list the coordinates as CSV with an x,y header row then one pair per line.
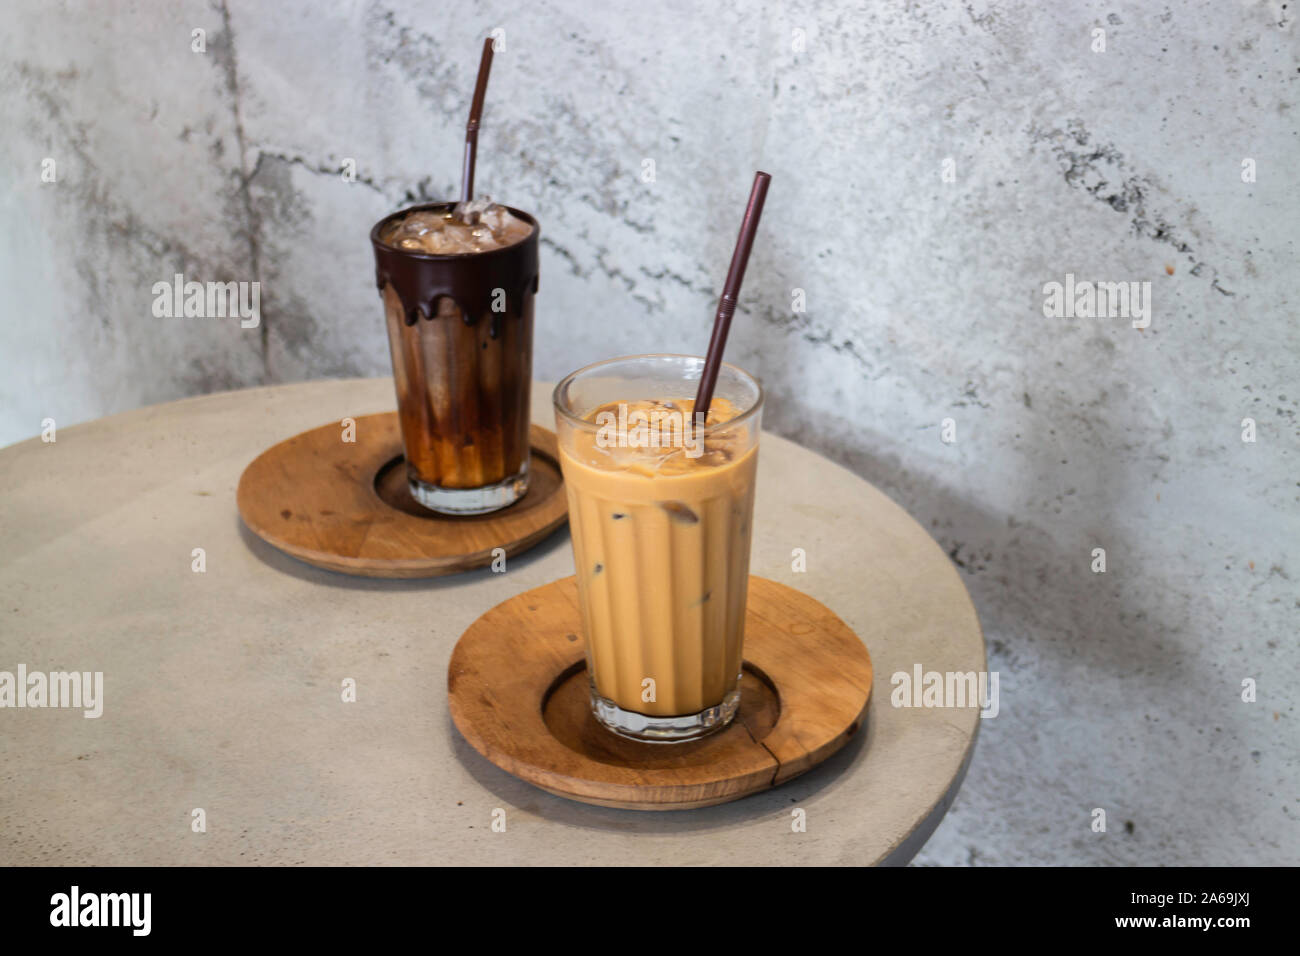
x,y
458,282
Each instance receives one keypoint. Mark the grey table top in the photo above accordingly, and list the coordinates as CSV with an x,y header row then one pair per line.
x,y
222,689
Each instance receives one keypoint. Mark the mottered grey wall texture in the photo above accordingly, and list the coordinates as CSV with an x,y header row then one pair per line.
x,y
936,166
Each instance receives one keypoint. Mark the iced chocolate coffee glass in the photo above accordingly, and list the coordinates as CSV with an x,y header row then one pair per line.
x,y
661,517
458,282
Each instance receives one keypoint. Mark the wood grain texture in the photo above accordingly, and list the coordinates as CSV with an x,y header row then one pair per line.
x,y
344,505
517,688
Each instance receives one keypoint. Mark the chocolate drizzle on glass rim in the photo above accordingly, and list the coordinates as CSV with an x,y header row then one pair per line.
x,y
468,279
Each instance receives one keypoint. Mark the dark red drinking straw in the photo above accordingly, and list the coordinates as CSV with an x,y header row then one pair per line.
x,y
475,114
730,293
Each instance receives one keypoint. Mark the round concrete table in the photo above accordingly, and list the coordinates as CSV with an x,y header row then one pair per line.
x,y
222,688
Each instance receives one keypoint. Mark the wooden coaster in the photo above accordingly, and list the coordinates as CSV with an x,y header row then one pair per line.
x,y
345,505
517,687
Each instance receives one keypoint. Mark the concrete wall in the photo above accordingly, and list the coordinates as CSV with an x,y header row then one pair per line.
x,y
924,301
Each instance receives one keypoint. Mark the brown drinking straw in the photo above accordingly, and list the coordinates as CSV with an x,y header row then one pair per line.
x,y
475,114
730,293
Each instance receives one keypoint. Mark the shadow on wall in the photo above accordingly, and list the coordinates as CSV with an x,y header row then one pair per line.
x,y
1115,652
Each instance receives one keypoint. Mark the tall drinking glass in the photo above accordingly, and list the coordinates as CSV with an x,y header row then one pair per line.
x,y
460,328
661,518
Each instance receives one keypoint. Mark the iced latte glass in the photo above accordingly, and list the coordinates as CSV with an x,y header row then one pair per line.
x,y
660,513
458,284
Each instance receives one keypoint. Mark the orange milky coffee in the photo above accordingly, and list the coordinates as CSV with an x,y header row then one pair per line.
x,y
661,545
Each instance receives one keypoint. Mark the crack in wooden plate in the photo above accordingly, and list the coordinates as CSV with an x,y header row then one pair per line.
x,y
344,506
517,689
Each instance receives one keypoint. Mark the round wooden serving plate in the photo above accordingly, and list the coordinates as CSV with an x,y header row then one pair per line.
x,y
517,687
345,505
